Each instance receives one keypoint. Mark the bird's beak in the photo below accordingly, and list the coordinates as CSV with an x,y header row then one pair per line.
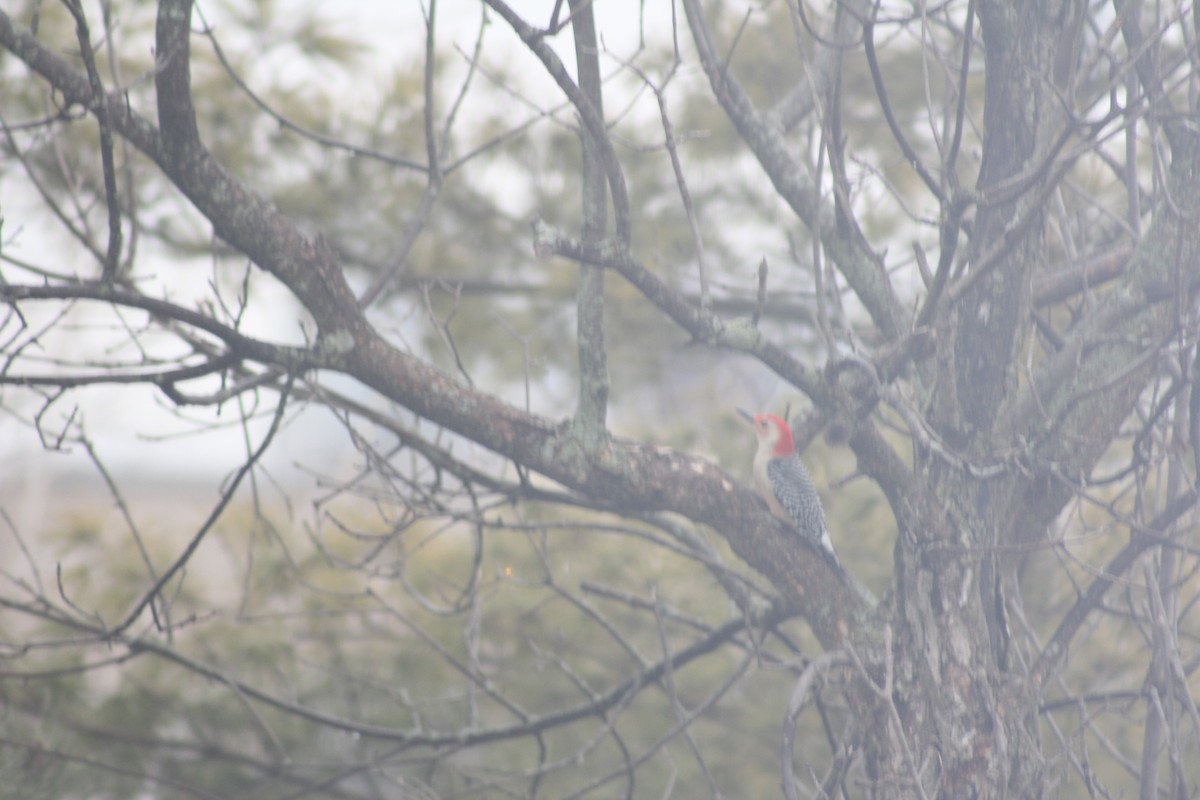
x,y
746,415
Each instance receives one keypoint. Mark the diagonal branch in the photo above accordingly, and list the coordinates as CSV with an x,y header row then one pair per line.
x,y
637,477
1073,620
592,117
862,270
701,323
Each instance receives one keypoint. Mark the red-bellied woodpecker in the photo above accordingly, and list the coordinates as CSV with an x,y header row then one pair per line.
x,y
784,483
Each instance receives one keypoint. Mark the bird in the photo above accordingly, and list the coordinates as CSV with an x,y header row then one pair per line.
x,y
784,483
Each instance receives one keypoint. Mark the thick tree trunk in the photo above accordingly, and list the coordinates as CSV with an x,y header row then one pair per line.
x,y
955,722
963,725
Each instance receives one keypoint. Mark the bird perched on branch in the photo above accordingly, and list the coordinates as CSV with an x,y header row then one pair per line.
x,y
782,480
